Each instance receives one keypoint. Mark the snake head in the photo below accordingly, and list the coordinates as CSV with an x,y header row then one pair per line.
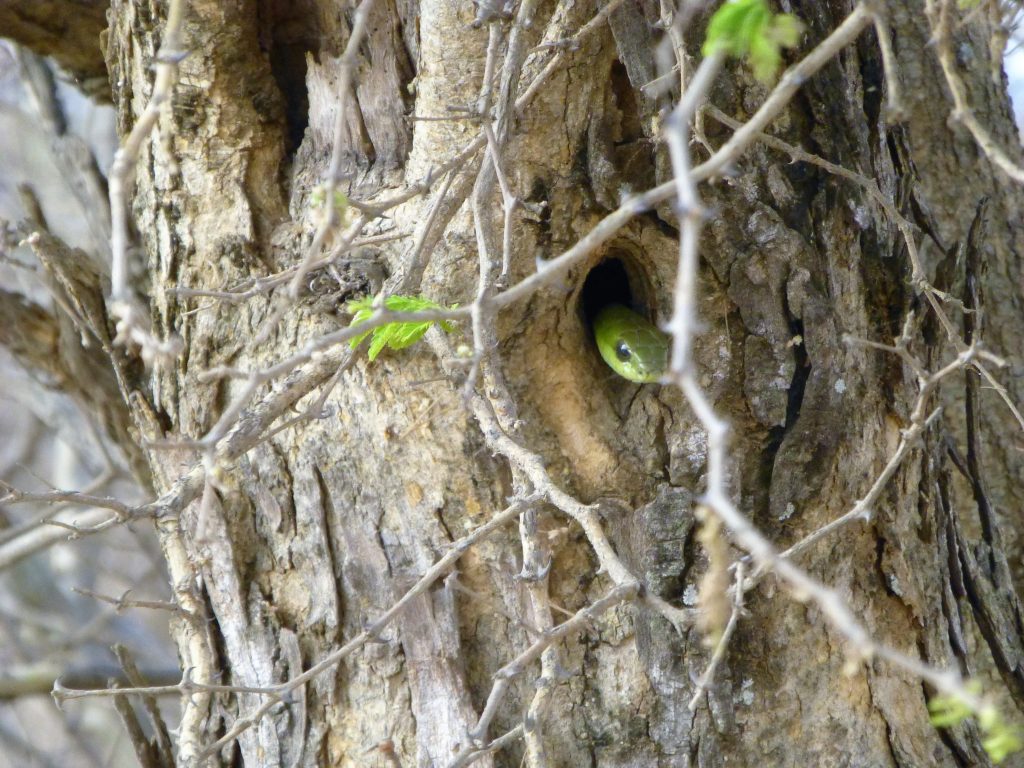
x,y
631,346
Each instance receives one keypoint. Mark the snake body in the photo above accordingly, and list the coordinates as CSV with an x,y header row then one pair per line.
x,y
633,347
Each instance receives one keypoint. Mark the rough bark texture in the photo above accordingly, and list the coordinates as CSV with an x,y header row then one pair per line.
x,y
318,530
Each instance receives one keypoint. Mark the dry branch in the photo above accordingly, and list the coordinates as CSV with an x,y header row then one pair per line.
x,y
132,327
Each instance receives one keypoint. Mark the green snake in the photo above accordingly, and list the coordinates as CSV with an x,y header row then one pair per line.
x,y
633,348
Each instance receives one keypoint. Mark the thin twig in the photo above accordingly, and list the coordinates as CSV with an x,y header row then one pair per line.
x,y
920,420
941,21
536,566
131,326
723,642
895,110
330,218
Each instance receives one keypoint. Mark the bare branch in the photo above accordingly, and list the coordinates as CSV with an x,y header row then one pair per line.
x,y
579,621
122,603
934,296
40,679
536,566
132,327
895,110
941,20
723,642
717,496
920,420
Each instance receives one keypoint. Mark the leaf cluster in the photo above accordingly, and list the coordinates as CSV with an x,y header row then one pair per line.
x,y
999,738
748,28
396,335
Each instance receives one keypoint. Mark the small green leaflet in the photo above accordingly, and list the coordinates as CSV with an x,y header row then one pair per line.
x,y
749,28
397,335
946,711
340,199
999,738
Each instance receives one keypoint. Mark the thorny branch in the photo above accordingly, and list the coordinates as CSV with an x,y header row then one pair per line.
x,y
536,567
99,513
577,623
717,497
532,466
940,15
424,238
15,496
920,419
908,232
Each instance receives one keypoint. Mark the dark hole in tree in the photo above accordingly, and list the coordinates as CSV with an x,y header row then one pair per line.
x,y
288,63
616,280
607,283
288,32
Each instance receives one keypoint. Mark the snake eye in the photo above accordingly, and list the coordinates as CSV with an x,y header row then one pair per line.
x,y
622,351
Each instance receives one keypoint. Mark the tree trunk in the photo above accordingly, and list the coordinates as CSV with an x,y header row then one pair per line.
x,y
299,543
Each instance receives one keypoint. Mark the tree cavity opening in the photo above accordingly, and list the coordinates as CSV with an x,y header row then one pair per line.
x,y
617,279
289,30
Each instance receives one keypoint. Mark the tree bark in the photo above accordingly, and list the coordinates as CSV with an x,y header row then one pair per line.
x,y
303,541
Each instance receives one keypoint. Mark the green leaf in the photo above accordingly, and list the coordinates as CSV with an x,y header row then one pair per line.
x,y
318,196
764,58
1001,745
999,739
396,335
786,30
748,28
947,711
988,718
